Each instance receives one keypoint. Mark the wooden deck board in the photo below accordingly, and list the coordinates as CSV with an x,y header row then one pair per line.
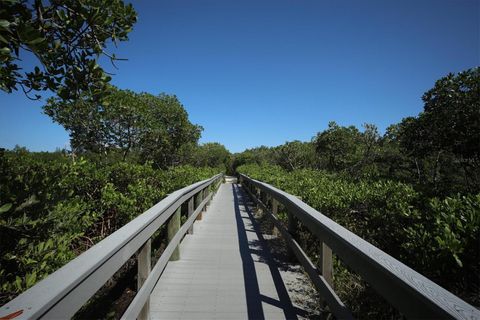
x,y
225,271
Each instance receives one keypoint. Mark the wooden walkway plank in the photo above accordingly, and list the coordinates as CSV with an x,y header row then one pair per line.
x,y
225,271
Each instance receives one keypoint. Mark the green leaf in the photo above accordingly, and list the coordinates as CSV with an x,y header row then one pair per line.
x,y
5,207
457,260
36,41
4,24
5,51
31,279
2,39
18,282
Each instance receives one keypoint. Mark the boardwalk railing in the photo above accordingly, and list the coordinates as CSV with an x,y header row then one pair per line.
x,y
66,290
411,293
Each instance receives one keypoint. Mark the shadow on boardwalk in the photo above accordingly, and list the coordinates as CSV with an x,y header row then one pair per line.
x,y
257,251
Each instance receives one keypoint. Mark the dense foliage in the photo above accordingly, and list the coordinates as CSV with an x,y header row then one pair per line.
x,y
438,152
50,211
138,126
413,191
212,154
437,237
66,37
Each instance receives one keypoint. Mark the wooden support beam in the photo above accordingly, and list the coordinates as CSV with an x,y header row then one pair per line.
x,y
198,200
268,201
292,229
190,212
209,190
326,266
173,227
274,206
205,194
144,262
292,226
275,213
258,196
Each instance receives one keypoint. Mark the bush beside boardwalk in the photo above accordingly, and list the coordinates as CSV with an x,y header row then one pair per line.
x,y
52,210
436,237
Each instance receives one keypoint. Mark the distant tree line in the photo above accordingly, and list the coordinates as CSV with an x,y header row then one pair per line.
x,y
438,151
135,127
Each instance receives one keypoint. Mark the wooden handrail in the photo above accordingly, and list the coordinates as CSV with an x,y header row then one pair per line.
x,y
412,294
66,290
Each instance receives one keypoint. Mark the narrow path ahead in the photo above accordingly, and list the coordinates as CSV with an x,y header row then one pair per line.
x,y
225,270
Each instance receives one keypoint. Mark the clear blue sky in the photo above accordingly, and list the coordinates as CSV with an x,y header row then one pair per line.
x,y
264,72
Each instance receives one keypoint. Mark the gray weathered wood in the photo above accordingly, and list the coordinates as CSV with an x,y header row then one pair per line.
x,y
407,290
274,206
221,274
173,227
66,290
207,192
198,200
326,263
190,212
292,229
144,293
337,307
144,264
275,212
258,195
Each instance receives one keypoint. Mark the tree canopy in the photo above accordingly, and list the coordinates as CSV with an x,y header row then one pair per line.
x,y
438,150
450,121
211,154
295,155
151,128
66,37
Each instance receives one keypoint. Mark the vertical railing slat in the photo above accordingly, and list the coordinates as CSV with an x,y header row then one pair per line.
x,y
190,212
326,264
172,229
144,262
198,200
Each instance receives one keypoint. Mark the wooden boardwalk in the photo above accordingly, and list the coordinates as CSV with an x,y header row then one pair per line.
x,y
225,270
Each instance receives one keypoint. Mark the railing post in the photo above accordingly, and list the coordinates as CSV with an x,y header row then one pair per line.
x,y
268,201
190,212
172,229
209,190
292,225
257,195
275,213
274,206
326,263
264,198
292,229
204,196
144,265
198,200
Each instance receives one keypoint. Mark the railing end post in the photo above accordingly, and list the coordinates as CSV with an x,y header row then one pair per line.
x,y
172,229
190,212
326,263
144,266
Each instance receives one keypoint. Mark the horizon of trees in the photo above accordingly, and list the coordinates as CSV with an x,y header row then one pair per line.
x,y
438,150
